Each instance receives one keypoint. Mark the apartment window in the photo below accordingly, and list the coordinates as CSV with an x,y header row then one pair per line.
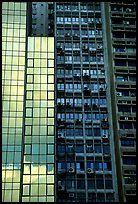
x,y
133,109
69,132
79,149
125,125
91,184
97,148
69,87
120,62
61,148
60,71
60,86
96,131
78,131
89,132
70,164
100,184
132,78
129,160
106,149
118,34
131,63
127,142
131,179
121,78
124,108
80,184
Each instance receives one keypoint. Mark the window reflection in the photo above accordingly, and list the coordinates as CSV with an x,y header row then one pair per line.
x,y
39,147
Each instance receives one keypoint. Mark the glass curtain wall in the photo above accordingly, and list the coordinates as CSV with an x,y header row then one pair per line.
x,y
13,66
38,175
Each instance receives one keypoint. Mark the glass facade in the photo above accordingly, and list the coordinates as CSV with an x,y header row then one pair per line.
x,y
28,110
13,70
38,161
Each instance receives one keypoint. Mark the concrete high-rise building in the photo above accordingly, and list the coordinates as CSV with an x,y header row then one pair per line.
x,y
68,101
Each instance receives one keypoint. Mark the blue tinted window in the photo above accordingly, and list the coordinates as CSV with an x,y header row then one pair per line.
x,y
129,160
127,142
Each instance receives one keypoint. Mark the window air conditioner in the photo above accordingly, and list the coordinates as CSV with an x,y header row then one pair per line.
x,y
71,195
126,22
128,10
89,171
61,135
71,170
124,102
61,187
70,149
105,119
89,148
105,137
126,118
119,94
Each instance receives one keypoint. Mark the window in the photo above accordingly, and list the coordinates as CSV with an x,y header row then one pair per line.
x,y
121,78
127,142
79,149
61,148
97,148
129,160
120,62
100,183
91,184
60,86
61,166
96,131
108,184
106,149
80,184
131,179
89,132
125,125
132,78
124,108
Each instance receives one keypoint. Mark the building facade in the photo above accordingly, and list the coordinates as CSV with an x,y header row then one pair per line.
x,y
68,119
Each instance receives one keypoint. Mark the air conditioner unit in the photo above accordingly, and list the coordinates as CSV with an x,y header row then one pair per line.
x,y
105,119
128,10
119,94
77,75
71,170
67,34
78,120
132,94
105,125
61,187
71,195
126,118
70,148
105,137
89,171
124,102
89,148
61,135
122,135
126,22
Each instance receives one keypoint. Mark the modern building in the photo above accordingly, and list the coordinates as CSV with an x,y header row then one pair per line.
x,y
69,95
